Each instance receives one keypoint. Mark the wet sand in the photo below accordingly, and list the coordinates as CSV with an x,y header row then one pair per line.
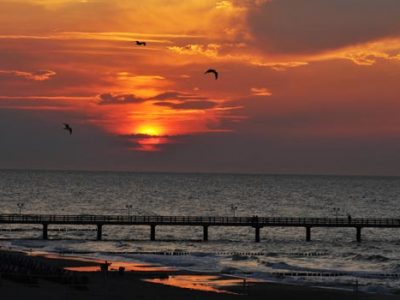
x,y
42,276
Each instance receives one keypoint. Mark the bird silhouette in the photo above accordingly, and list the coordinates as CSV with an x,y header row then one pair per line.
x,y
213,71
68,128
139,43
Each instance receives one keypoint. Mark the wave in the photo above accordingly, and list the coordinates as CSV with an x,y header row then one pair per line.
x,y
372,258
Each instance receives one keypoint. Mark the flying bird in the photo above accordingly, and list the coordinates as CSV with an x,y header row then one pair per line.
x,y
213,71
68,128
139,43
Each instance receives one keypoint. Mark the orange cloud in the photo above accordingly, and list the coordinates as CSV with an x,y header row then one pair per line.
x,y
238,53
260,92
210,50
40,75
368,53
365,54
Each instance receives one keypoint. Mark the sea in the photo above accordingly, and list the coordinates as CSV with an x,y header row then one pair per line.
x,y
332,259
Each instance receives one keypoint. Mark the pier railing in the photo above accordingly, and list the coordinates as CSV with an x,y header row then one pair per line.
x,y
205,221
198,220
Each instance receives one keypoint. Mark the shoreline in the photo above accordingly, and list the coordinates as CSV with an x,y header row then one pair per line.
x,y
140,281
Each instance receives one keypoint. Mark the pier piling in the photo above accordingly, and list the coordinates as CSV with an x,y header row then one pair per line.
x,y
308,233
99,231
152,232
205,233
257,234
358,234
45,236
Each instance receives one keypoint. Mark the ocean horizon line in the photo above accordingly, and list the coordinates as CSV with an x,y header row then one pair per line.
x,y
283,174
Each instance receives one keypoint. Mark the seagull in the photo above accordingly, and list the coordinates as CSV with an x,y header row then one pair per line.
x,y
67,127
139,43
212,71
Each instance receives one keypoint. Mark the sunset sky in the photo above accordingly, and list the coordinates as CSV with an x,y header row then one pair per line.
x,y
305,87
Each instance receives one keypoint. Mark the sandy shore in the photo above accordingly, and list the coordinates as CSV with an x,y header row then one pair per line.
x,y
40,276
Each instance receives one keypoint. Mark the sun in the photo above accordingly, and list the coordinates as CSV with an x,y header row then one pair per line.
x,y
152,138
151,130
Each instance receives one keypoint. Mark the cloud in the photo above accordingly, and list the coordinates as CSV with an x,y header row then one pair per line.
x,y
191,16
235,52
40,75
221,50
171,99
260,91
43,103
313,26
191,105
143,79
108,98
151,38
369,53
173,95
279,66
111,98
143,85
209,50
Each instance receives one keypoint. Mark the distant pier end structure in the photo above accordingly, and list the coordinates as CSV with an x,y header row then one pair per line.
x,y
206,222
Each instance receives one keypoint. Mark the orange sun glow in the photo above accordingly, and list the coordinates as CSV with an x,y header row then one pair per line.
x,y
154,137
151,130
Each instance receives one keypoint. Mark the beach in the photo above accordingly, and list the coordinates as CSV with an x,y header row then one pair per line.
x,y
84,280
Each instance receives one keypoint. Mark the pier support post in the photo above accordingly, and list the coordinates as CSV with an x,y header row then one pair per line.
x,y
308,233
99,231
257,234
205,233
152,232
358,234
45,237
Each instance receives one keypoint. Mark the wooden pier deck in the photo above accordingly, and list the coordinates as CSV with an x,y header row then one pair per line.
x,y
152,221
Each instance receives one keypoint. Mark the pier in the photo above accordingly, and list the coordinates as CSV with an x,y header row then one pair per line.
x,y
206,222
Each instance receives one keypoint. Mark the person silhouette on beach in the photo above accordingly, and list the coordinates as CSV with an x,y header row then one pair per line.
x,y
104,266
